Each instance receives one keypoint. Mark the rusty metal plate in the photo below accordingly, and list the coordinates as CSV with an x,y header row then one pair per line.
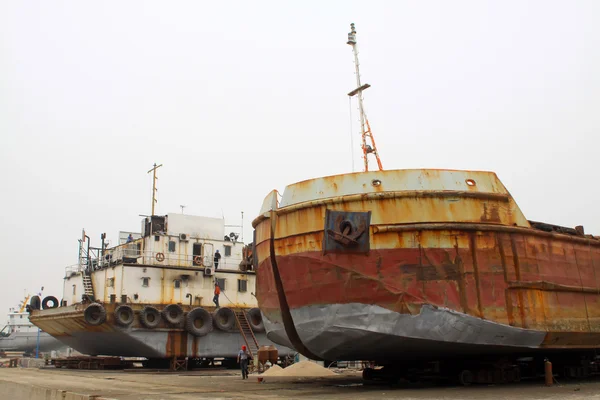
x,y
346,232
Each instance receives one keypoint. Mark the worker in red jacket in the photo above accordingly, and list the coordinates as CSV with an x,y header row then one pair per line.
x,y
217,293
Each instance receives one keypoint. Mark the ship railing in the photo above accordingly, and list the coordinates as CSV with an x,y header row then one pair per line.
x,y
74,269
130,254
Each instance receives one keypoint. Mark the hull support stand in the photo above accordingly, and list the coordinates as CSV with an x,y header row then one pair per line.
x,y
179,364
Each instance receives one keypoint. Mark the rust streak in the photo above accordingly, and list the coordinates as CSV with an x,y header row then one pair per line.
x,y
518,276
473,247
462,291
507,295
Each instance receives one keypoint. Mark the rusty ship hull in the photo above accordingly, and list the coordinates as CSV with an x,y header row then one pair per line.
x,y
406,264
69,326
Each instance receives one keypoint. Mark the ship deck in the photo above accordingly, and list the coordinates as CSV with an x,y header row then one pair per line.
x,y
34,384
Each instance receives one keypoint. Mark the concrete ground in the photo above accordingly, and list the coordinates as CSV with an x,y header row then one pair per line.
x,y
149,385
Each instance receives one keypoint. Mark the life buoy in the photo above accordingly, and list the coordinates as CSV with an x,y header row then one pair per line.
x,y
173,313
224,318
150,317
160,257
198,322
35,303
255,320
197,260
49,299
123,315
95,314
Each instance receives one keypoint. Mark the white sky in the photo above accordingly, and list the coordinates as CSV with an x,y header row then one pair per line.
x,y
237,98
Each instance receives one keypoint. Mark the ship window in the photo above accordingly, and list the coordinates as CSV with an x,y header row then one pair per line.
x,y
74,289
20,316
177,283
172,246
227,251
156,238
145,282
221,282
110,282
242,285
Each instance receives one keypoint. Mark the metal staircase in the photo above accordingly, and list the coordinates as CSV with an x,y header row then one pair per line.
x,y
246,332
87,285
85,265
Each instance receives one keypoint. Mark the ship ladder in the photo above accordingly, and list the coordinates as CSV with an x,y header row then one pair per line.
x,y
246,332
87,285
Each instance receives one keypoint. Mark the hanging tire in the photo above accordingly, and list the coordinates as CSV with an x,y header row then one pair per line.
x,y
255,320
49,299
95,314
173,313
198,322
224,318
150,317
35,303
123,315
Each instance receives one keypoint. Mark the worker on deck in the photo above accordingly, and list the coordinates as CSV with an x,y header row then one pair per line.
x,y
217,293
129,238
242,359
217,258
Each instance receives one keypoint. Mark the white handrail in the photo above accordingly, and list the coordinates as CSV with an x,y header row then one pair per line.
x,y
122,254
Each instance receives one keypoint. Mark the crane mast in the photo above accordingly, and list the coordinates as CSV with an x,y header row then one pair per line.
x,y
368,141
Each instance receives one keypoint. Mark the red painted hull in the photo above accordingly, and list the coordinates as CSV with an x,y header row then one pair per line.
x,y
532,282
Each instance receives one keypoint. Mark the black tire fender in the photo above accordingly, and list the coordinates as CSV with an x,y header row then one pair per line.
x,y
49,299
255,320
173,314
124,315
35,303
224,318
150,317
199,322
95,314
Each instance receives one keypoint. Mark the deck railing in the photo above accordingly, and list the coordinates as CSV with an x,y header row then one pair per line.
x,y
131,255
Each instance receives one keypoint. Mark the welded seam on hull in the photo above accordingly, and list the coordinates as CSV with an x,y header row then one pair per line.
x,y
390,195
468,226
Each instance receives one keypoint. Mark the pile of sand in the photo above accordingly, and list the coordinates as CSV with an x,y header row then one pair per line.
x,y
273,371
301,369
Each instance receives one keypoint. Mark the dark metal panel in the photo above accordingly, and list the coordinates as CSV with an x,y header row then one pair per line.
x,y
347,232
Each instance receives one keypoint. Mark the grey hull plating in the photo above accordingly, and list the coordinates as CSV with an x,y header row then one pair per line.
x,y
27,342
369,332
153,343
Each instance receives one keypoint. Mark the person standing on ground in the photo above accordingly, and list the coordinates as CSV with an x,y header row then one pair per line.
x,y
217,258
242,359
217,293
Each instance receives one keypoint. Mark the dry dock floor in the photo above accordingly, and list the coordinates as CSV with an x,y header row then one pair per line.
x,y
214,384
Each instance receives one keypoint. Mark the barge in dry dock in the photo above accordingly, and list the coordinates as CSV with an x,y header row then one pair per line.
x,y
152,295
420,264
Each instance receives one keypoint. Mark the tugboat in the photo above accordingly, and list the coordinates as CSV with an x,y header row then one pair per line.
x,y
151,295
397,265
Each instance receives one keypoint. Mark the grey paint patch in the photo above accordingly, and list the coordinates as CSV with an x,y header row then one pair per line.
x,y
369,332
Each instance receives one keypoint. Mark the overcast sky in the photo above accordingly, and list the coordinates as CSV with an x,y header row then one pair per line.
x,y
238,98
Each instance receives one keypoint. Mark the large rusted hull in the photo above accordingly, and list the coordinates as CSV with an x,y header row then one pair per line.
x,y
468,276
68,325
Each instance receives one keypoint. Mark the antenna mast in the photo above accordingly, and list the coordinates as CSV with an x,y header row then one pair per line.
x,y
153,170
365,128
